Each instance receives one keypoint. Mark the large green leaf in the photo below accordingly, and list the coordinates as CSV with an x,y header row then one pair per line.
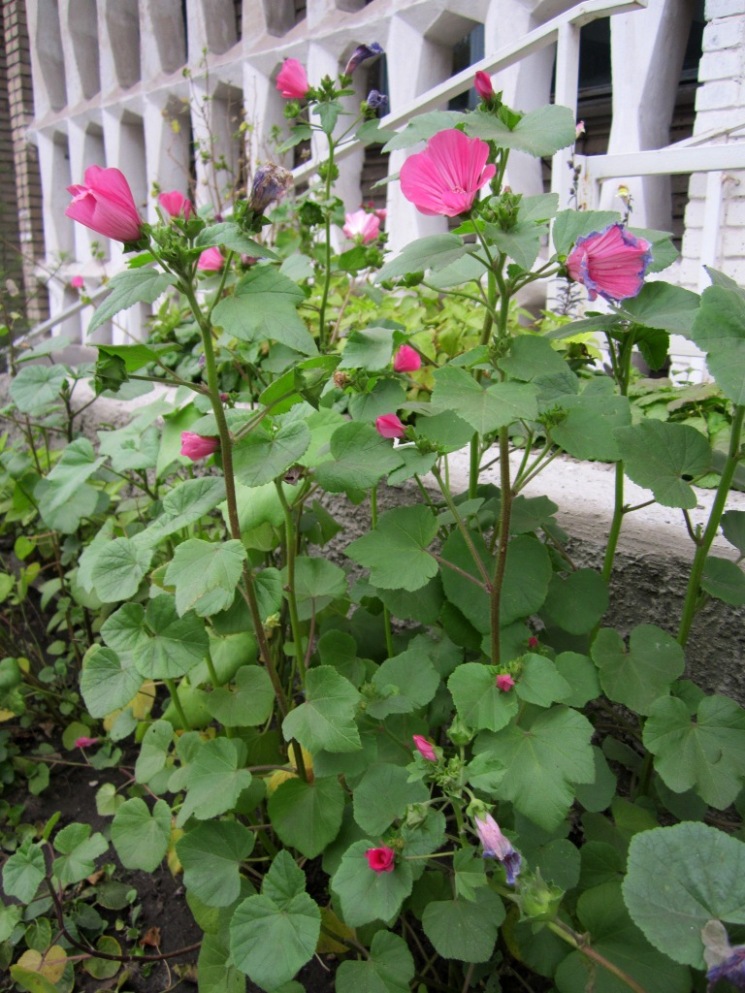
x,y
35,387
724,580
211,854
679,878
465,930
544,756
395,552
215,969
639,675
213,781
248,703
63,496
264,455
704,751
317,583
541,682
165,645
108,682
262,307
382,796
719,329
367,895
485,410
205,575
659,455
540,132
119,568
588,429
307,815
229,235
140,836
325,721
24,871
433,252
662,305
78,850
576,604
403,683
480,704
128,288
389,968
370,349
360,458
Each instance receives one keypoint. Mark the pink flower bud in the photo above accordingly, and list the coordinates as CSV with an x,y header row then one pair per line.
x,y
84,742
407,359
292,80
196,446
104,203
533,642
579,129
505,682
390,426
381,859
424,748
211,260
176,204
483,85
77,282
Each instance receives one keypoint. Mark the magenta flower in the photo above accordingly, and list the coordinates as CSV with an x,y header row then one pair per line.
x,y
361,226
196,446
84,742
447,175
505,682
361,54
407,359
211,260
292,80
77,282
176,204
496,846
610,263
381,859
483,85
390,426
104,203
424,748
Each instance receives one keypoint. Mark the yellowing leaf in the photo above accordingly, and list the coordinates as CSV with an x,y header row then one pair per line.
x,y
143,701
331,923
277,778
50,965
172,859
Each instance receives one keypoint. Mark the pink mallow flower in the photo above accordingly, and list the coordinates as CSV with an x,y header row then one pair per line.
x,y
176,204
196,446
77,282
361,226
407,359
292,80
483,85
381,859
496,846
504,682
390,426
424,748
211,260
85,742
104,203
611,263
447,175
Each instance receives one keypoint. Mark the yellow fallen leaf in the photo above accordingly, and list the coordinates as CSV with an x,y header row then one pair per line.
x,y
51,964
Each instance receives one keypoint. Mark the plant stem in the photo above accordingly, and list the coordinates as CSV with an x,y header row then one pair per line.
x,y
715,516
616,522
505,514
386,612
478,562
177,704
564,932
290,545
327,259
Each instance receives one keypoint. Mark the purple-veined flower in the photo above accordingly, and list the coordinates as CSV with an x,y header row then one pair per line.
x,y
611,263
376,100
447,175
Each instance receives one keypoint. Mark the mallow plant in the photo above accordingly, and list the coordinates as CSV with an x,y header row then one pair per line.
x,y
421,750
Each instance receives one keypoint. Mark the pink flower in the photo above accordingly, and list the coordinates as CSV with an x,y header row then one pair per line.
x,y
533,642
292,80
447,175
424,748
389,426
361,226
77,282
196,446
505,682
105,204
381,859
211,260
496,846
84,742
176,204
407,359
611,263
483,85
381,213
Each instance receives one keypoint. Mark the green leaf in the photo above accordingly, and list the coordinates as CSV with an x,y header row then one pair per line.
x,y
35,387
78,850
139,836
63,496
370,349
521,243
637,676
465,930
544,756
485,410
307,815
263,307
395,552
248,704
662,305
229,235
613,935
128,288
389,968
382,796
169,645
107,682
205,575
478,701
733,528
540,132
659,455
576,604
119,568
211,855
184,505
705,751
581,675
213,781
360,458
724,580
679,878
433,252
367,895
318,583
404,683
540,682
216,972
424,126
570,225
531,356
588,431
262,456
325,721
24,871
154,749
